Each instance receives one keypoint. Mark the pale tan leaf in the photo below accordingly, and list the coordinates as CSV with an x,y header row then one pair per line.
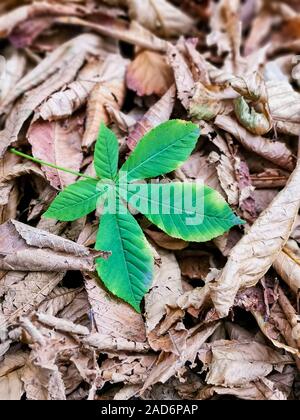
x,y
10,20
171,364
64,57
284,102
236,363
61,324
57,300
52,142
64,103
14,70
106,343
165,290
252,257
113,317
149,74
134,34
109,91
207,103
11,386
288,267
29,249
274,151
183,75
160,16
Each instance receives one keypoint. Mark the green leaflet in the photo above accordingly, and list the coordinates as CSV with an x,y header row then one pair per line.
x,y
106,154
188,211
128,272
161,151
76,201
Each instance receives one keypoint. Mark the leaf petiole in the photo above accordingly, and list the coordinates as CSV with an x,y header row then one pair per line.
x,y
51,165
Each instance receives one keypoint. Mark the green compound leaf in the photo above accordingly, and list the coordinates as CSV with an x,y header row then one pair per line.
x,y
188,211
106,154
76,201
128,272
161,151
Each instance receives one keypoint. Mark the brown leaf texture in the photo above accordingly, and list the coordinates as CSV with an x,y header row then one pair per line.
x,y
51,142
109,91
24,248
142,74
252,257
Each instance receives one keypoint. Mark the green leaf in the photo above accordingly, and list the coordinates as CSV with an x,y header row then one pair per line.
x,y
128,272
188,211
76,201
161,151
106,154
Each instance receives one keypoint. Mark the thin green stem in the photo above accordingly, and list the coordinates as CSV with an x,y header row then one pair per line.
x,y
51,165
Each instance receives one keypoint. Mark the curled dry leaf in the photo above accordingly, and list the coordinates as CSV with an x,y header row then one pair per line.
x,y
60,59
24,248
63,104
183,75
10,20
110,90
288,267
284,102
112,317
157,114
252,257
206,103
235,364
165,290
149,74
274,151
14,69
160,16
255,122
57,300
52,142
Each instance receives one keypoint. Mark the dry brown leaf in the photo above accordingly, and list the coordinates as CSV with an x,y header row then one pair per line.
x,y
274,151
109,91
160,16
183,75
24,248
157,114
165,241
287,266
62,324
165,290
14,70
58,299
64,57
236,364
107,343
112,317
10,20
65,103
149,74
52,142
284,102
11,386
207,103
252,257
171,364
134,34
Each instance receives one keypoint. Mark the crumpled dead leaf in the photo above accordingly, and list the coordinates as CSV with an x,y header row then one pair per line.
x,y
110,90
24,248
51,142
252,257
160,16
